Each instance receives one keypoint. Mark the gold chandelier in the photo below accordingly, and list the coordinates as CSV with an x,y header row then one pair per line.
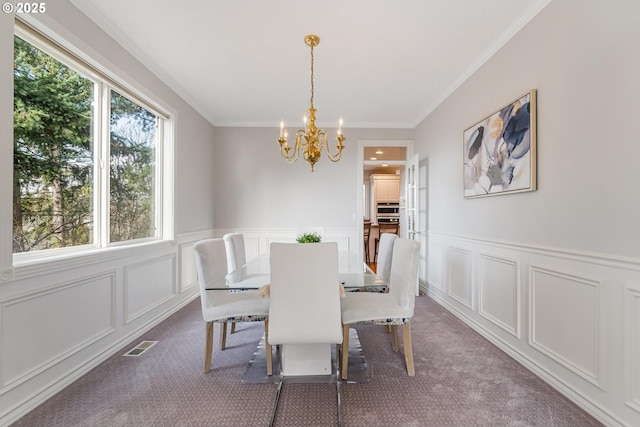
x,y
310,139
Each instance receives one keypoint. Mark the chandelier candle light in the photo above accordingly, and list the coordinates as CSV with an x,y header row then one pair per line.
x,y
310,139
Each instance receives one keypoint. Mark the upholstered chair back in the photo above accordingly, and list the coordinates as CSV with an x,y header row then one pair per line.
x,y
305,294
236,256
404,273
385,252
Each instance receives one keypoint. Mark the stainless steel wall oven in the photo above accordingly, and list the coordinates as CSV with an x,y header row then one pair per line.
x,y
388,212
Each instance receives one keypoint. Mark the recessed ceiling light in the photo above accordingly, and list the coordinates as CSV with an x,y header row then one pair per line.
x,y
373,158
385,165
379,152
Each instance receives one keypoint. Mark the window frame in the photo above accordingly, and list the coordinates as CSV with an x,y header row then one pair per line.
x,y
104,82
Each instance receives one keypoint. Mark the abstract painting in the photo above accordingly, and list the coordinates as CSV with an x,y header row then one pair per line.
x,y
500,151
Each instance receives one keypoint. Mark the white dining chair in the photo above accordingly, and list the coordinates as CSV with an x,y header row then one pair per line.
x,y
383,266
393,308
305,297
236,256
223,306
234,246
384,227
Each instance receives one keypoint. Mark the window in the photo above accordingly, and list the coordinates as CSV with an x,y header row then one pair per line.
x,y
132,154
88,155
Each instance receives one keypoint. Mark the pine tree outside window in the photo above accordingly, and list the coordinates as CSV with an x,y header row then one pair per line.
x,y
88,155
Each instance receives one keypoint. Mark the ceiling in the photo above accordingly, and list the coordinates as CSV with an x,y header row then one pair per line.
x,y
379,64
385,153
389,160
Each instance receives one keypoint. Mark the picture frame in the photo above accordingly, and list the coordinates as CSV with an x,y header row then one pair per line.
x,y
499,152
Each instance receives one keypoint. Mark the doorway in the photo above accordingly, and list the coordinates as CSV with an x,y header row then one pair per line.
x,y
379,158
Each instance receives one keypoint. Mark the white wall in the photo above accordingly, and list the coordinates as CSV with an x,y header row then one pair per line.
x,y
59,319
551,276
582,57
256,187
267,199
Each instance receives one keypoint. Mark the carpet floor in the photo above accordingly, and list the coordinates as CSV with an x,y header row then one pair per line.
x,y
461,380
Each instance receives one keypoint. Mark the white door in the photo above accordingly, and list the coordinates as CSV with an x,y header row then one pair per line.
x,y
412,193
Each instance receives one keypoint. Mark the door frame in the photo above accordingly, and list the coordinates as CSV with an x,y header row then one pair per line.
x,y
362,143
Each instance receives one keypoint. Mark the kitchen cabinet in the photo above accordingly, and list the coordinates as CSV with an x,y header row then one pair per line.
x,y
386,188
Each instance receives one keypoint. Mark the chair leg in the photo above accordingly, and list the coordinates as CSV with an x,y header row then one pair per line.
x,y
208,346
233,327
366,250
268,348
223,335
345,351
394,337
408,351
376,242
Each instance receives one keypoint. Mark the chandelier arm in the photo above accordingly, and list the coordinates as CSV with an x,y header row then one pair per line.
x,y
285,149
292,158
336,158
333,157
301,140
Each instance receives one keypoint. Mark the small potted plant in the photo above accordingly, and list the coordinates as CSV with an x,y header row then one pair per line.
x,y
309,238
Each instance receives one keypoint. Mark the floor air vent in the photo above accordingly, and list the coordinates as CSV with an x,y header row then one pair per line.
x,y
140,348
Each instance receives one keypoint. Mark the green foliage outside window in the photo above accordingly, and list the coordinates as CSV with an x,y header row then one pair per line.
x,y
54,187
53,172
132,144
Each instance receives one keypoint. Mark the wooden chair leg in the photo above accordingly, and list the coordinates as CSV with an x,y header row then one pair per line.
x,y
268,348
223,335
394,338
345,351
233,327
208,346
376,242
408,351
366,251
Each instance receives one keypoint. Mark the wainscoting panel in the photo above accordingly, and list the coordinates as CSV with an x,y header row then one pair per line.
x,y
344,237
499,293
187,263
59,318
41,328
571,317
565,320
435,261
147,285
252,246
460,276
265,242
632,347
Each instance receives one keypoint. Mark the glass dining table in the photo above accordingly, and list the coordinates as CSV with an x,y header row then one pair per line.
x,y
354,276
